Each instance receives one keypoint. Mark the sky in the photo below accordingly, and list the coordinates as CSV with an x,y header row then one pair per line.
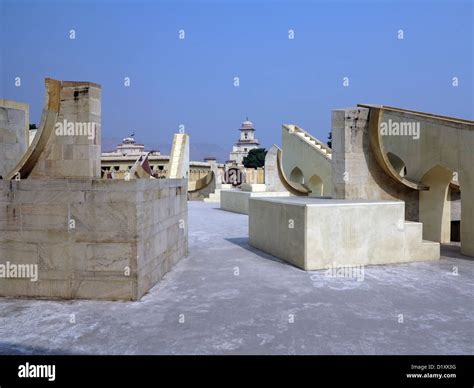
x,y
191,81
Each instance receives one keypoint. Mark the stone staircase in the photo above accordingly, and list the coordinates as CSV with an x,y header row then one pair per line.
x,y
215,197
311,140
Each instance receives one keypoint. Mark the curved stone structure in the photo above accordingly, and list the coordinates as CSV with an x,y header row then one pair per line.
x,y
441,151
203,188
200,183
275,177
376,142
67,144
48,121
433,154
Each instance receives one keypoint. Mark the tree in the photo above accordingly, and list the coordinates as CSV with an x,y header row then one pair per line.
x,y
329,142
255,158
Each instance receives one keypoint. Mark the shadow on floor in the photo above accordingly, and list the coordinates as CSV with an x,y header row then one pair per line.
x,y
453,250
229,212
243,242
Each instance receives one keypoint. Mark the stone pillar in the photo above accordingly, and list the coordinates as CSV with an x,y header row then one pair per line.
x,y
217,173
178,165
435,207
272,178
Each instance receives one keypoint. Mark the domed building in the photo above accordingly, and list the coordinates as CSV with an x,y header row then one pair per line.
x,y
130,147
246,142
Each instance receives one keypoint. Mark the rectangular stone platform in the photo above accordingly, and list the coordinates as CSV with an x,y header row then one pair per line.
x,y
238,201
91,238
320,233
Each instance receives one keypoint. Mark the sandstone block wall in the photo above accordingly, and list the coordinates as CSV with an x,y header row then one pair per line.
x,y
93,239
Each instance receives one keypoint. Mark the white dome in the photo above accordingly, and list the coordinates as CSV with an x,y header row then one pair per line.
x,y
247,124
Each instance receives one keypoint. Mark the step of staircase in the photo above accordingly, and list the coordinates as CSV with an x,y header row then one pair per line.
x,y
417,248
215,197
414,231
313,142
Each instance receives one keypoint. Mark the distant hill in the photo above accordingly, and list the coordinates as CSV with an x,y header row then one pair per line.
x,y
110,143
199,151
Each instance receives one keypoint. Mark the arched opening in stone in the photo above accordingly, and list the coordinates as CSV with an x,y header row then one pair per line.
x,y
315,184
455,200
435,205
397,163
296,175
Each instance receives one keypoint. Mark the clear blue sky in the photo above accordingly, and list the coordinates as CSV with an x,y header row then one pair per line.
x,y
190,81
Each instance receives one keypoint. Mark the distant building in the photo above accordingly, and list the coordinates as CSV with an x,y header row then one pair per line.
x,y
125,155
118,162
130,147
246,142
